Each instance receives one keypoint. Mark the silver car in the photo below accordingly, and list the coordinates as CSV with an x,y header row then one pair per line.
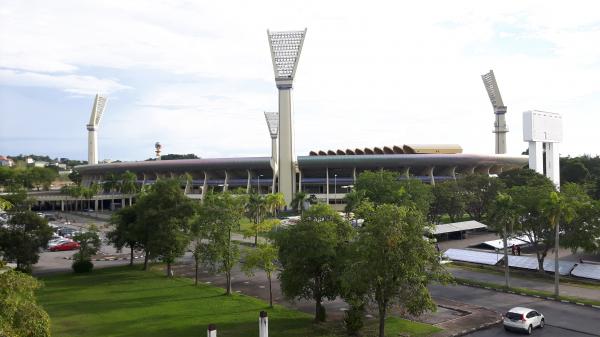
x,y
523,319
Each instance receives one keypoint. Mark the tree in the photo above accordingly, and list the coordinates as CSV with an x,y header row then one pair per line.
x,y
22,238
395,263
89,244
263,257
353,199
572,170
124,233
163,221
5,204
75,177
478,192
218,216
308,252
275,202
112,183
298,201
502,216
447,199
583,230
256,209
129,184
20,315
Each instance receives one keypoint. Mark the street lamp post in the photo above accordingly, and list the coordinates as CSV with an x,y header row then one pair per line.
x,y
260,175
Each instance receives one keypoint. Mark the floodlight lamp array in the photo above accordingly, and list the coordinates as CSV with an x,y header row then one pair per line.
x,y
98,110
285,51
272,122
489,80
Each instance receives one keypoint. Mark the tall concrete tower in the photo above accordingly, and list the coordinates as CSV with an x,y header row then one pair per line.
x,y
285,53
500,129
273,125
92,127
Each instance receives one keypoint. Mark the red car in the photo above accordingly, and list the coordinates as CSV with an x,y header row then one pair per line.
x,y
64,246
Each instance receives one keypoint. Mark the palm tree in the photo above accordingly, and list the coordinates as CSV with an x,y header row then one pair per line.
x,y
353,199
129,184
256,207
274,202
298,201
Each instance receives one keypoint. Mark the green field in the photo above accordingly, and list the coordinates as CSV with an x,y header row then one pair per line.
x,y
129,302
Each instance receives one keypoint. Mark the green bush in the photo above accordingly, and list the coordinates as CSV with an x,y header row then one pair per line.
x,y
82,266
354,318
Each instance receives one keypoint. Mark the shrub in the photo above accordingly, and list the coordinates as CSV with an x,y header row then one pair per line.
x,y
82,266
354,318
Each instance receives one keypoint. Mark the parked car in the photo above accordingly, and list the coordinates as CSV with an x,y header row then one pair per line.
x,y
57,241
523,319
70,245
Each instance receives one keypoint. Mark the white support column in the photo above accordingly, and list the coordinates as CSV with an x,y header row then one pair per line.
x,y
62,205
552,163
536,157
431,178
327,185
204,186
354,175
248,183
286,156
299,181
226,182
263,324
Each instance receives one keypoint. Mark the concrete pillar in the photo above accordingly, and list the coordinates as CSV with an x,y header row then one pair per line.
x,y
354,175
286,156
204,186
248,184
453,172
263,324
211,331
123,203
553,163
62,205
431,178
299,181
327,185
536,157
96,205
226,182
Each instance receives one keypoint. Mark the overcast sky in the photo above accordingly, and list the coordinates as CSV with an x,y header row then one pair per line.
x,y
197,75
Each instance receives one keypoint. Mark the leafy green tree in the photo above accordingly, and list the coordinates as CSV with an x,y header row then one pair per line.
x,y
583,230
308,252
263,258
447,199
75,177
124,232
218,216
478,192
22,238
163,221
89,244
522,177
5,204
572,170
20,315
395,264
112,183
353,199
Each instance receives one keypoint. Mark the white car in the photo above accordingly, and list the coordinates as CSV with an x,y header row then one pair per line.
x,y
523,319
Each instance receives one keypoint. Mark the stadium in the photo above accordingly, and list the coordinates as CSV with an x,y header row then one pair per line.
x,y
326,174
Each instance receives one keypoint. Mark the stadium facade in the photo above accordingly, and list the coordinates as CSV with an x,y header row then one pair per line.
x,y
326,174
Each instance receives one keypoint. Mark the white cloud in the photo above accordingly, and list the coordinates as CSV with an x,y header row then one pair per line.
x,y
75,84
370,74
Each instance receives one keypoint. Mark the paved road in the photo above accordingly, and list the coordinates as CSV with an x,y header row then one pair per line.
x,y
561,319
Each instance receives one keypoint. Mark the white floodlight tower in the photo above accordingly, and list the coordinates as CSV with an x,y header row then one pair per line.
x,y
500,129
543,130
285,53
273,125
92,127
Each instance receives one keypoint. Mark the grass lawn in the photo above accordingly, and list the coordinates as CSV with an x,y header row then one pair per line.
x,y
129,302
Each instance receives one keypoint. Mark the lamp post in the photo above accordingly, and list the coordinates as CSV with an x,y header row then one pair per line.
x,y
335,188
260,175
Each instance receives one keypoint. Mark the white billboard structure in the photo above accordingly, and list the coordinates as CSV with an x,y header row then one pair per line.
x,y
272,119
500,129
543,131
92,127
285,53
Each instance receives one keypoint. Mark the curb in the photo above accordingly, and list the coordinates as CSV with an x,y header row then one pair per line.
x,y
523,294
477,328
110,258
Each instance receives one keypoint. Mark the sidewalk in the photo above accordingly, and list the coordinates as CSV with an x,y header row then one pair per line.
x,y
520,282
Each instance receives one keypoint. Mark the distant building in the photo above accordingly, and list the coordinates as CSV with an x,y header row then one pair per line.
x,y
29,161
40,163
107,161
4,161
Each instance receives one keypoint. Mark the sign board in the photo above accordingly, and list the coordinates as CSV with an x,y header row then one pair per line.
x,y
541,126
